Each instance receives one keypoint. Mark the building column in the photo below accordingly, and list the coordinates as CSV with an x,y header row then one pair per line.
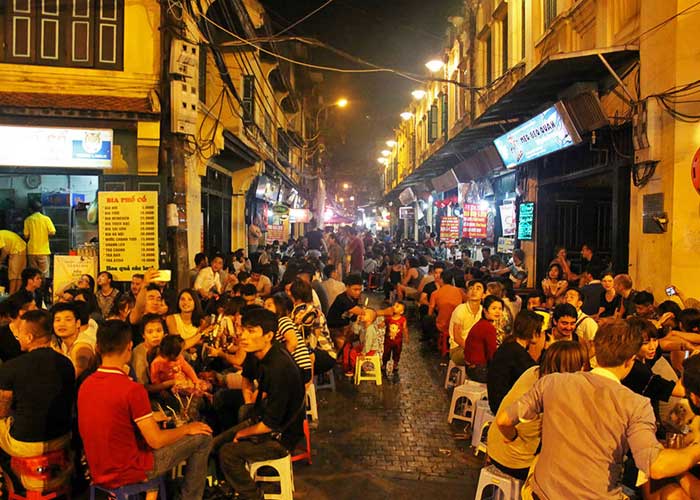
x,y
416,208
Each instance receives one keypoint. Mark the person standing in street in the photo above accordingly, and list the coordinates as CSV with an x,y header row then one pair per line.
x,y
254,236
37,230
14,248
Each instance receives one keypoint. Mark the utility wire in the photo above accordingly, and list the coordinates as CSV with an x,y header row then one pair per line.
x,y
662,23
304,18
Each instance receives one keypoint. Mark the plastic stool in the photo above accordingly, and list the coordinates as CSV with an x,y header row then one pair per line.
x,y
283,467
507,487
129,490
472,392
375,374
482,421
459,379
306,454
331,380
311,407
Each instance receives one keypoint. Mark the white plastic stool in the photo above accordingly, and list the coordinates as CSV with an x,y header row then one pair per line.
x,y
507,487
459,378
311,407
331,380
375,374
482,421
472,392
283,467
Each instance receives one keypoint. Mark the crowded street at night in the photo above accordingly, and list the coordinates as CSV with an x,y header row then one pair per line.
x,y
346,249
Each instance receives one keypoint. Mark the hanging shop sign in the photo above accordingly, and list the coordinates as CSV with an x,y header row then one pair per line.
x,y
407,196
280,209
266,189
406,213
526,220
128,232
68,269
505,245
276,232
550,131
508,222
55,147
475,221
449,228
300,215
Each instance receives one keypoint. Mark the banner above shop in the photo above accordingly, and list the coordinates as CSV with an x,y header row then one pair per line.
x,y
407,196
449,228
476,218
300,215
444,182
55,147
546,133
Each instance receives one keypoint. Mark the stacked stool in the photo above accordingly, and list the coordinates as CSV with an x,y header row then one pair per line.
x,y
472,393
460,375
311,406
507,487
375,374
285,478
482,421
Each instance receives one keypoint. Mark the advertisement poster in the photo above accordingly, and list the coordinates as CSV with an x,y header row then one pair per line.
x,y
406,213
526,220
128,232
547,132
276,232
68,268
508,222
449,228
476,220
505,245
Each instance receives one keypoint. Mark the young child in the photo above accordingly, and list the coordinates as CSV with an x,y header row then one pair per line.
x,y
170,365
396,331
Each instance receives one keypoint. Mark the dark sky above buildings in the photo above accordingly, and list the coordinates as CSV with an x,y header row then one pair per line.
x,y
401,34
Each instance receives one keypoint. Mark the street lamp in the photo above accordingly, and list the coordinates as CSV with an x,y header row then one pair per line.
x,y
341,200
434,65
418,94
346,185
383,161
406,115
386,152
340,103
391,144
352,198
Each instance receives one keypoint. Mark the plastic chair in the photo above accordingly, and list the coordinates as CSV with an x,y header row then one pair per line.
x,y
320,377
375,374
458,379
35,472
285,478
482,421
311,406
471,392
306,453
127,491
507,487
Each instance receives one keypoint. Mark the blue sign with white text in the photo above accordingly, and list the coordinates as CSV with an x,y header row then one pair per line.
x,y
547,132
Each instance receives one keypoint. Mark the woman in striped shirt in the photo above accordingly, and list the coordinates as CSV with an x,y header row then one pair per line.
x,y
288,334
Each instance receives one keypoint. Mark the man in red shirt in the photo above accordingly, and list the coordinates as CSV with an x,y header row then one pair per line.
x,y
355,249
110,408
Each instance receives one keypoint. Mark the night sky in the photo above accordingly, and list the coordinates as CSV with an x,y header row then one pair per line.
x,y
401,34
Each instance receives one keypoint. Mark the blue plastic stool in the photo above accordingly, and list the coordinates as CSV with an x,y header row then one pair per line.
x,y
126,491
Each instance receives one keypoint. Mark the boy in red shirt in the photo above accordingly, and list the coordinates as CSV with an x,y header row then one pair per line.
x,y
396,329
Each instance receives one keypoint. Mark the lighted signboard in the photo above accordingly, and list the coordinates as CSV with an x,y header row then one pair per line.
x,y
55,147
406,213
475,221
449,228
526,220
546,133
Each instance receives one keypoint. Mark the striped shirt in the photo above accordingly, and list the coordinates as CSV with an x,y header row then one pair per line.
x,y
301,353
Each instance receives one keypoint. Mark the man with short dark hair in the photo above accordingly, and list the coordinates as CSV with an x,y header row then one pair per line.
x,y
355,252
592,420
37,393
644,305
111,407
278,409
563,323
200,262
77,345
585,327
463,318
332,284
346,307
32,281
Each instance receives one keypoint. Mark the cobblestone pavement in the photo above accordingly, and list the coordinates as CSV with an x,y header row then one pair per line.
x,y
389,441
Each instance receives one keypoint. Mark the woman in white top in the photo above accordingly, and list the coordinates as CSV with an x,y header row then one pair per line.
x,y
188,320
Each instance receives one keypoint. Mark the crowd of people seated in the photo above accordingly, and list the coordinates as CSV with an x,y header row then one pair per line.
x,y
137,380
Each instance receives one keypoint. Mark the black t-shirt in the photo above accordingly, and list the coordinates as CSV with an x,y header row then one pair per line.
x,y
428,290
314,239
609,308
279,378
42,382
508,363
341,305
643,381
591,298
9,345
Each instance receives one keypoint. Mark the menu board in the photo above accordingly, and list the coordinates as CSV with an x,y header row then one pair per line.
x,y
449,228
508,224
476,220
275,232
128,232
526,220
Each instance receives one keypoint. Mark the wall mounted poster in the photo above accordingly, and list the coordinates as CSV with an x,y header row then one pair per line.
x,y
476,220
449,228
128,232
68,268
508,223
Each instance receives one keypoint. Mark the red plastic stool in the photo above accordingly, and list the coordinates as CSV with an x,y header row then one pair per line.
x,y
443,343
40,468
306,454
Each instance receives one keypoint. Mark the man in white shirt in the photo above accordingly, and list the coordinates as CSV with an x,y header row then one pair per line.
x,y
209,281
332,285
463,318
586,327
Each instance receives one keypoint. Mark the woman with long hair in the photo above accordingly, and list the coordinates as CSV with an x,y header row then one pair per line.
x,y
187,322
288,334
482,340
554,285
515,458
